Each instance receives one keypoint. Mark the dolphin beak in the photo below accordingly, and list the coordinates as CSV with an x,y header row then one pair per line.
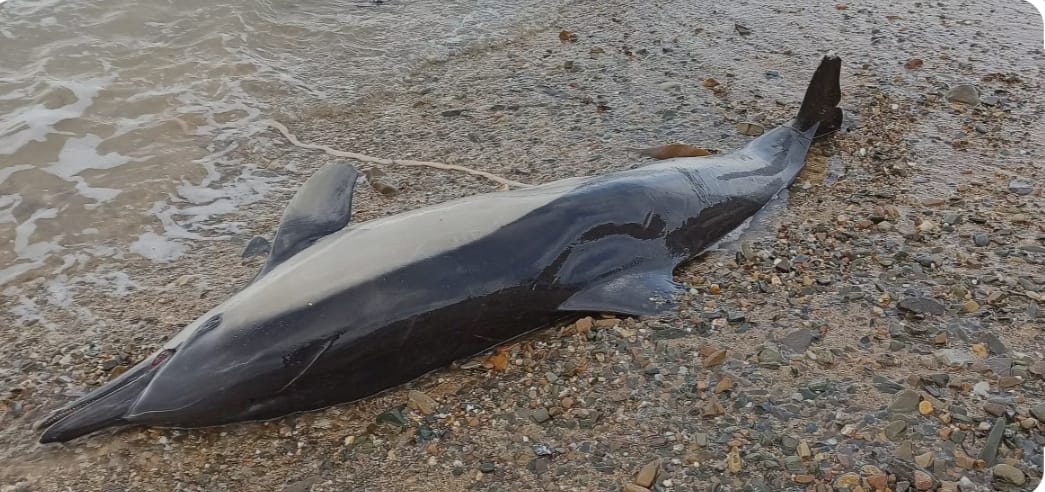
x,y
104,407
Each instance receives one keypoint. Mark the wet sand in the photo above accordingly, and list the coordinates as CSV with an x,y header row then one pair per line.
x,y
823,346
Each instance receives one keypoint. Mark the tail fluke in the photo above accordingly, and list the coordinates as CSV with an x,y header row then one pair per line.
x,y
822,97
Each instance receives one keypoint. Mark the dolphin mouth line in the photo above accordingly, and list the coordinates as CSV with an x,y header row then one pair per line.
x,y
107,404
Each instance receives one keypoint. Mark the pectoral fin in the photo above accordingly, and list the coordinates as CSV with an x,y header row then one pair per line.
x,y
637,294
322,206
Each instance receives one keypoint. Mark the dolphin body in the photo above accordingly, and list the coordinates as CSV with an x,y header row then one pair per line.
x,y
340,311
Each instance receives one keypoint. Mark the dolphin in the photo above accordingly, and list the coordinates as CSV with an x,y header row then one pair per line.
x,y
341,311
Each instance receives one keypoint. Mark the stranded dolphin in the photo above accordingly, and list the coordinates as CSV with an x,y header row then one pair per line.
x,y
340,311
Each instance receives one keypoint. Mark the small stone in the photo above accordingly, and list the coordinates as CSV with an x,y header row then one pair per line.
x,y
750,129
905,402
923,481
1020,187
966,94
769,356
940,338
905,451
487,467
994,409
925,408
733,463
1009,474
1029,423
848,481
716,358
966,485
797,341
980,239
804,479
540,415
982,389
921,305
989,454
584,325
979,350
1038,411
648,474
878,482
421,402
952,357
970,306
630,487
804,451
924,460
723,384
895,429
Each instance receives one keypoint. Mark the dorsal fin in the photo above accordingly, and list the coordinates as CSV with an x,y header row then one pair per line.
x,y
321,206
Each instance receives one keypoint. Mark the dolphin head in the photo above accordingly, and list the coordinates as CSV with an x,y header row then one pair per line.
x,y
213,372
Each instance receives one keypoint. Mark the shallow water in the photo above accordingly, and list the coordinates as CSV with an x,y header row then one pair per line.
x,y
121,117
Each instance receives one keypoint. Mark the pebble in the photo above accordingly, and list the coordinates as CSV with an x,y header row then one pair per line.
x,y
631,487
750,129
797,341
1038,411
952,357
982,389
921,305
905,451
540,415
885,385
980,239
923,481
994,409
648,474
925,408
895,429
905,402
1020,187
964,93
421,402
989,453
1009,474
924,460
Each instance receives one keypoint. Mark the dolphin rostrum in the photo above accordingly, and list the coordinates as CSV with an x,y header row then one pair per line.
x,y
341,311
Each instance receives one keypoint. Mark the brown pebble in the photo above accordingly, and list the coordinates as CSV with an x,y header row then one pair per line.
x,y
803,450
713,408
924,460
922,480
724,384
849,481
804,479
941,338
715,359
733,463
1010,381
994,409
648,474
421,402
925,408
584,325
878,482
